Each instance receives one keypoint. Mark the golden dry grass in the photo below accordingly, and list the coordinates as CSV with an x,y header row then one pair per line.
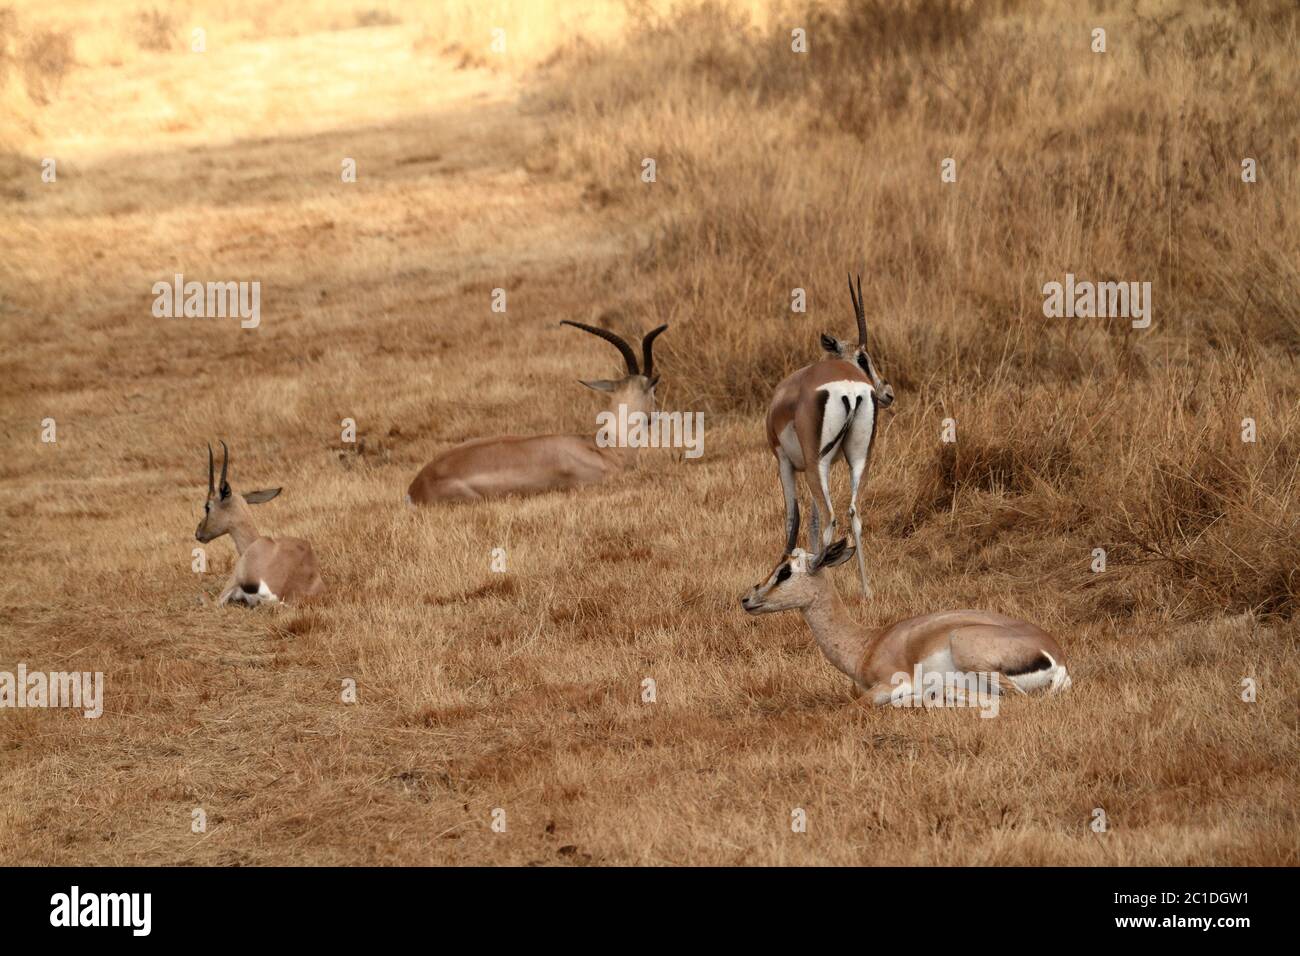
x,y
480,690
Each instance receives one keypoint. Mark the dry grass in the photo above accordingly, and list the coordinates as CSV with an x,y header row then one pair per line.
x,y
522,691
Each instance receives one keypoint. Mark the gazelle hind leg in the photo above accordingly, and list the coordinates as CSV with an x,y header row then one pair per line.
x,y
1017,657
856,470
817,476
791,493
814,529
822,499
1003,685
856,449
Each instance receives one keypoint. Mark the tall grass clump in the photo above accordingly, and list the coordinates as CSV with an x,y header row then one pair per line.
x,y
777,170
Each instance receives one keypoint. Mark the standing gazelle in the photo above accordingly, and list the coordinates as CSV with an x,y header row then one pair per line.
x,y
268,571
883,663
490,467
823,409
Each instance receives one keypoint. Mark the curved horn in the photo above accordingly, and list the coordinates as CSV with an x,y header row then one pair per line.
x,y
628,355
212,487
859,311
225,460
647,349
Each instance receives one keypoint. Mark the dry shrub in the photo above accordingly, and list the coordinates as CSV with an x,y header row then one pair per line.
x,y
877,61
376,17
985,464
33,64
8,43
155,30
1218,515
47,57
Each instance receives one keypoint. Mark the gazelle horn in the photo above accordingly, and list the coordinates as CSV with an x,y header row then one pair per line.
x,y
615,340
647,349
859,311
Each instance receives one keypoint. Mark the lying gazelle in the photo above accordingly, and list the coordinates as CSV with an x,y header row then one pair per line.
x,y
824,409
489,467
269,571
883,663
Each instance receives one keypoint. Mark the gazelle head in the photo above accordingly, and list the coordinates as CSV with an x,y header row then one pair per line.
x,y
225,509
636,389
796,581
859,357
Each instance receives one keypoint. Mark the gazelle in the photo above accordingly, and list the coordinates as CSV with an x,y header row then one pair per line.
x,y
489,467
830,407
268,571
882,663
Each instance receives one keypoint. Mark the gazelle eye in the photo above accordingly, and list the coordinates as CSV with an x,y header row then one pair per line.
x,y
207,507
784,573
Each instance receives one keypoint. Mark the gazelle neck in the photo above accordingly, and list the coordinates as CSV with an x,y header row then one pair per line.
x,y
840,640
243,532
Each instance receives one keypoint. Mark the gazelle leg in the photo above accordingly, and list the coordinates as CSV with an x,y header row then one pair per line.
x,y
791,502
228,593
856,471
817,469
1002,685
814,529
883,693
824,501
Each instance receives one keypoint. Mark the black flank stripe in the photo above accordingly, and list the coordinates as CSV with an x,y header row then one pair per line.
x,y
1041,664
848,420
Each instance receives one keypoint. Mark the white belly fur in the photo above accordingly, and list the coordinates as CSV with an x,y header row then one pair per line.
x,y
1054,679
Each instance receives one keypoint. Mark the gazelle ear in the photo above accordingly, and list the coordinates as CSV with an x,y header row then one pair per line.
x,y
259,497
834,554
601,385
654,381
831,344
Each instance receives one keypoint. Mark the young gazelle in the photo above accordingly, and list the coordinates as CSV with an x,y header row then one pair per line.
x,y
824,409
490,467
269,571
882,663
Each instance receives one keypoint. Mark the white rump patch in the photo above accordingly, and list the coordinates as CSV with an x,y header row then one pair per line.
x,y
858,395
1054,678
